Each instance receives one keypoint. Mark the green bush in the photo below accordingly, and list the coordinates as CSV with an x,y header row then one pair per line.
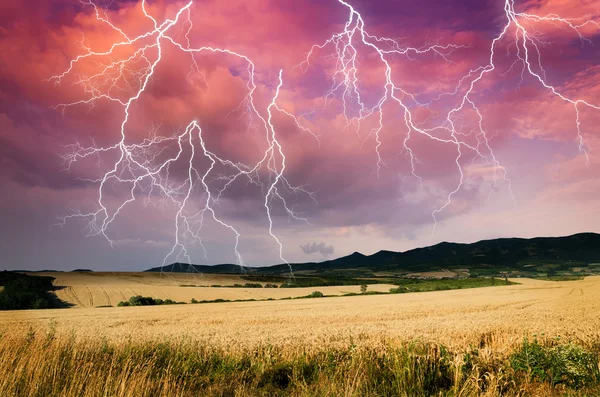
x,y
22,291
253,285
398,290
139,300
316,294
566,364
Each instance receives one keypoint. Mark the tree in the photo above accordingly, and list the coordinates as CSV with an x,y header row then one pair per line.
x,y
363,288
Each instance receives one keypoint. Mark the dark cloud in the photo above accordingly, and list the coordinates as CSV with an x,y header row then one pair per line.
x,y
314,248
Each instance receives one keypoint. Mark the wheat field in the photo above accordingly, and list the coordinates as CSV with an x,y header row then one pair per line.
x,y
470,342
566,309
91,289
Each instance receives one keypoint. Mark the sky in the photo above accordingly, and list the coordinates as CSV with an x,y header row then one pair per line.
x,y
135,134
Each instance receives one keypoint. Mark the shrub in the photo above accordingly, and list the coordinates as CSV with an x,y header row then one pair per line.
x,y
566,364
316,294
363,288
22,291
398,290
139,300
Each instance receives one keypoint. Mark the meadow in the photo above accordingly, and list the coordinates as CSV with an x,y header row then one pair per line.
x,y
536,338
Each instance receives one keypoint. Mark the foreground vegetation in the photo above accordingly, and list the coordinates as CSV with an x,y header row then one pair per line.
x,y
49,365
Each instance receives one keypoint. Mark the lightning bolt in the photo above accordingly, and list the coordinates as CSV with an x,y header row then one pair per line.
x,y
142,166
356,110
123,79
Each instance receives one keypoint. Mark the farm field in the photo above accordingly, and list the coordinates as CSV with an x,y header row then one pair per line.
x,y
537,338
455,318
91,289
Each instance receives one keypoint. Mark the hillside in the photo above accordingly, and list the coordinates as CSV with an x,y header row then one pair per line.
x,y
541,256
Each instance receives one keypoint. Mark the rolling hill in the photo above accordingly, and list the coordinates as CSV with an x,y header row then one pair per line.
x,y
579,253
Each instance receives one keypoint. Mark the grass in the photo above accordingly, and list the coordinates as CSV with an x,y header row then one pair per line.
x,y
411,285
47,365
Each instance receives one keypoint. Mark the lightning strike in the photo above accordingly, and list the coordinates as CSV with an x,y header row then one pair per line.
x,y
141,165
346,83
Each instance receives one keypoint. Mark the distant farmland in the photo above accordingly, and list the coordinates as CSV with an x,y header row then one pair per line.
x,y
108,289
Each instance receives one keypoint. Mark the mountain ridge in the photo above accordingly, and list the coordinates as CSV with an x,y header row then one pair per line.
x,y
553,254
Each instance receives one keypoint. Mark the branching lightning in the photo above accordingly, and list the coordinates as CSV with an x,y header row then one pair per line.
x,y
142,165
345,81
139,164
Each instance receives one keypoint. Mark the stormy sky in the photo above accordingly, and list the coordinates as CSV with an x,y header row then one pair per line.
x,y
358,191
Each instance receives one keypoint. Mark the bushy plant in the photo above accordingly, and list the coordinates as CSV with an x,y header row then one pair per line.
x,y
564,364
139,300
253,285
22,291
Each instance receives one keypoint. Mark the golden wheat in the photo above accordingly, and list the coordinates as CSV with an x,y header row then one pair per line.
x,y
501,316
108,289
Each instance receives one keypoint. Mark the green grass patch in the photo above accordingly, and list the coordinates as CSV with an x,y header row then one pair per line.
x,y
412,285
569,364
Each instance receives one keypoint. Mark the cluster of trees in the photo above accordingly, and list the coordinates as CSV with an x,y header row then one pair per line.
x,y
139,300
21,291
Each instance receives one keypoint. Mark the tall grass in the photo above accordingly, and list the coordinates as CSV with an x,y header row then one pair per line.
x,y
50,365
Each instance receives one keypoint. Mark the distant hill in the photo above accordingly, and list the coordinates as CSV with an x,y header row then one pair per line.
x,y
547,255
81,271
